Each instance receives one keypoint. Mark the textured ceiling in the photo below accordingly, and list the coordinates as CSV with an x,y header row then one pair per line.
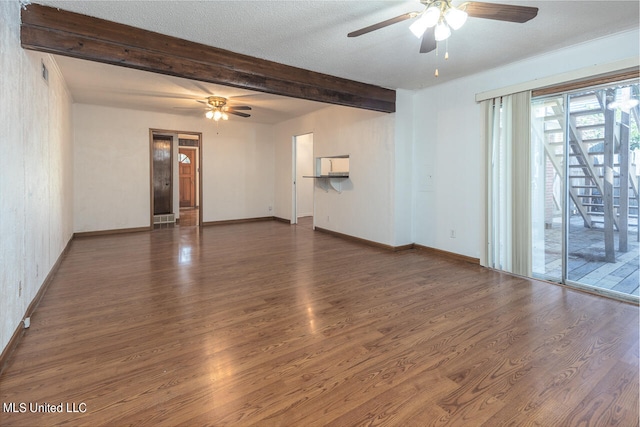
x,y
312,34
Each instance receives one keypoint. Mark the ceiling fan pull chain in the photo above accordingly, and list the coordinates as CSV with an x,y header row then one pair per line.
x,y
437,51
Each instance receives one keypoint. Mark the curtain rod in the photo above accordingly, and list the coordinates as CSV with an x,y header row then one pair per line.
x,y
563,78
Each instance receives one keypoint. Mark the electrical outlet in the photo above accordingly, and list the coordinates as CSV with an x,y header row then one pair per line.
x,y
270,208
452,234
20,289
328,219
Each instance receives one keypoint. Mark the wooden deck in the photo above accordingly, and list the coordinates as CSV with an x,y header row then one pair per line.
x,y
586,259
268,324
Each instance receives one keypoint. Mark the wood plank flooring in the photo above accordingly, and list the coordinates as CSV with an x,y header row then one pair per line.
x,y
266,324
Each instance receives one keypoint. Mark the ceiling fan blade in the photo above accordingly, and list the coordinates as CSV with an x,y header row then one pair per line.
x,y
382,24
238,107
191,108
500,12
428,41
237,113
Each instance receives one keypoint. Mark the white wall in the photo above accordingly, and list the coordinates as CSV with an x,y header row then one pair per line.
x,y
36,171
364,209
403,227
448,181
112,183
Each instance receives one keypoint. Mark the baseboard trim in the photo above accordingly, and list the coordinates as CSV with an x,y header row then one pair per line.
x,y
283,220
365,241
20,330
238,221
434,251
108,232
447,254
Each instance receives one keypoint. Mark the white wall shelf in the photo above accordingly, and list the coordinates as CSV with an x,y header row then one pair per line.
x,y
330,181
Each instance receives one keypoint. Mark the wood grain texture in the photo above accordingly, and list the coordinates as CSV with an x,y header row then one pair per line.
x,y
268,324
66,33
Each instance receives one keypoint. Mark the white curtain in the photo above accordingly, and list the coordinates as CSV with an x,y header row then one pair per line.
x,y
509,183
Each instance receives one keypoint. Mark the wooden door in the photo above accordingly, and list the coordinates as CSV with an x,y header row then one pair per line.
x,y
162,188
187,172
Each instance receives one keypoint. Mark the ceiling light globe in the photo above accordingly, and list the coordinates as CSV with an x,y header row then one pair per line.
x,y
428,19
442,31
217,115
455,17
225,116
431,16
209,114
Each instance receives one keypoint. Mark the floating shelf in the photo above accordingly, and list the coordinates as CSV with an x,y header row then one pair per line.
x,y
330,181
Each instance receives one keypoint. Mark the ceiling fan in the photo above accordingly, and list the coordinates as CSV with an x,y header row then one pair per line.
x,y
217,108
435,21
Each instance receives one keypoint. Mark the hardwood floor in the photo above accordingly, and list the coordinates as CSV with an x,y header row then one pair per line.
x,y
274,325
189,217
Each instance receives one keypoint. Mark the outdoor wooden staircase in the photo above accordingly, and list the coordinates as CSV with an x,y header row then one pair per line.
x,y
598,144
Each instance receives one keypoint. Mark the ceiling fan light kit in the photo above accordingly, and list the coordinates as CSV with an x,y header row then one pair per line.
x,y
442,15
218,109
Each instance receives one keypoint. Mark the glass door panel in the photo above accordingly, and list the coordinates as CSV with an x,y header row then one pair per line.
x,y
585,173
602,221
547,186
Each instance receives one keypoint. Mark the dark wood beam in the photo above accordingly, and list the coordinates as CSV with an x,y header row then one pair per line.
x,y
60,32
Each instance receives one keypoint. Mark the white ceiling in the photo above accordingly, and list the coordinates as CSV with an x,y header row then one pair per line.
x,y
101,84
312,34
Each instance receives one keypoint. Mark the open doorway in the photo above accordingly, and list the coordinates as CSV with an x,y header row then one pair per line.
x,y
303,164
176,178
188,179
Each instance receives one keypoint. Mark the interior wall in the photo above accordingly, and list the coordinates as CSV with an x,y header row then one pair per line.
x,y
403,172
448,145
112,182
364,208
36,170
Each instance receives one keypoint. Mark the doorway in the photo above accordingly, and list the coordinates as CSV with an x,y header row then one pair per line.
x,y
187,171
176,181
303,164
188,183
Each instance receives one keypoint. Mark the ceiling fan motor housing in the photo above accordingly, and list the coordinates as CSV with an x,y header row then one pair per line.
x,y
217,101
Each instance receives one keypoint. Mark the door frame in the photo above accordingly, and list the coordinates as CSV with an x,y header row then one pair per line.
x,y
174,175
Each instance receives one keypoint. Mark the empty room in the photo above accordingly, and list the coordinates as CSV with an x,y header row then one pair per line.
x,y
310,213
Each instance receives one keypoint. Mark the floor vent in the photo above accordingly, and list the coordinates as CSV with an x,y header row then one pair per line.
x,y
164,219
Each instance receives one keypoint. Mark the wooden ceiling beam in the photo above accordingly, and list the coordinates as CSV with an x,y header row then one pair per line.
x,y
60,32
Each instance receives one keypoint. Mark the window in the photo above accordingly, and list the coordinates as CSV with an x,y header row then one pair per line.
x,y
183,158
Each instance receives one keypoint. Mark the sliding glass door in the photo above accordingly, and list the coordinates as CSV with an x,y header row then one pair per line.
x,y
585,167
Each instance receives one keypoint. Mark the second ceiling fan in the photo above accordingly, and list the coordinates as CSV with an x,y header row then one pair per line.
x,y
435,21
218,109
